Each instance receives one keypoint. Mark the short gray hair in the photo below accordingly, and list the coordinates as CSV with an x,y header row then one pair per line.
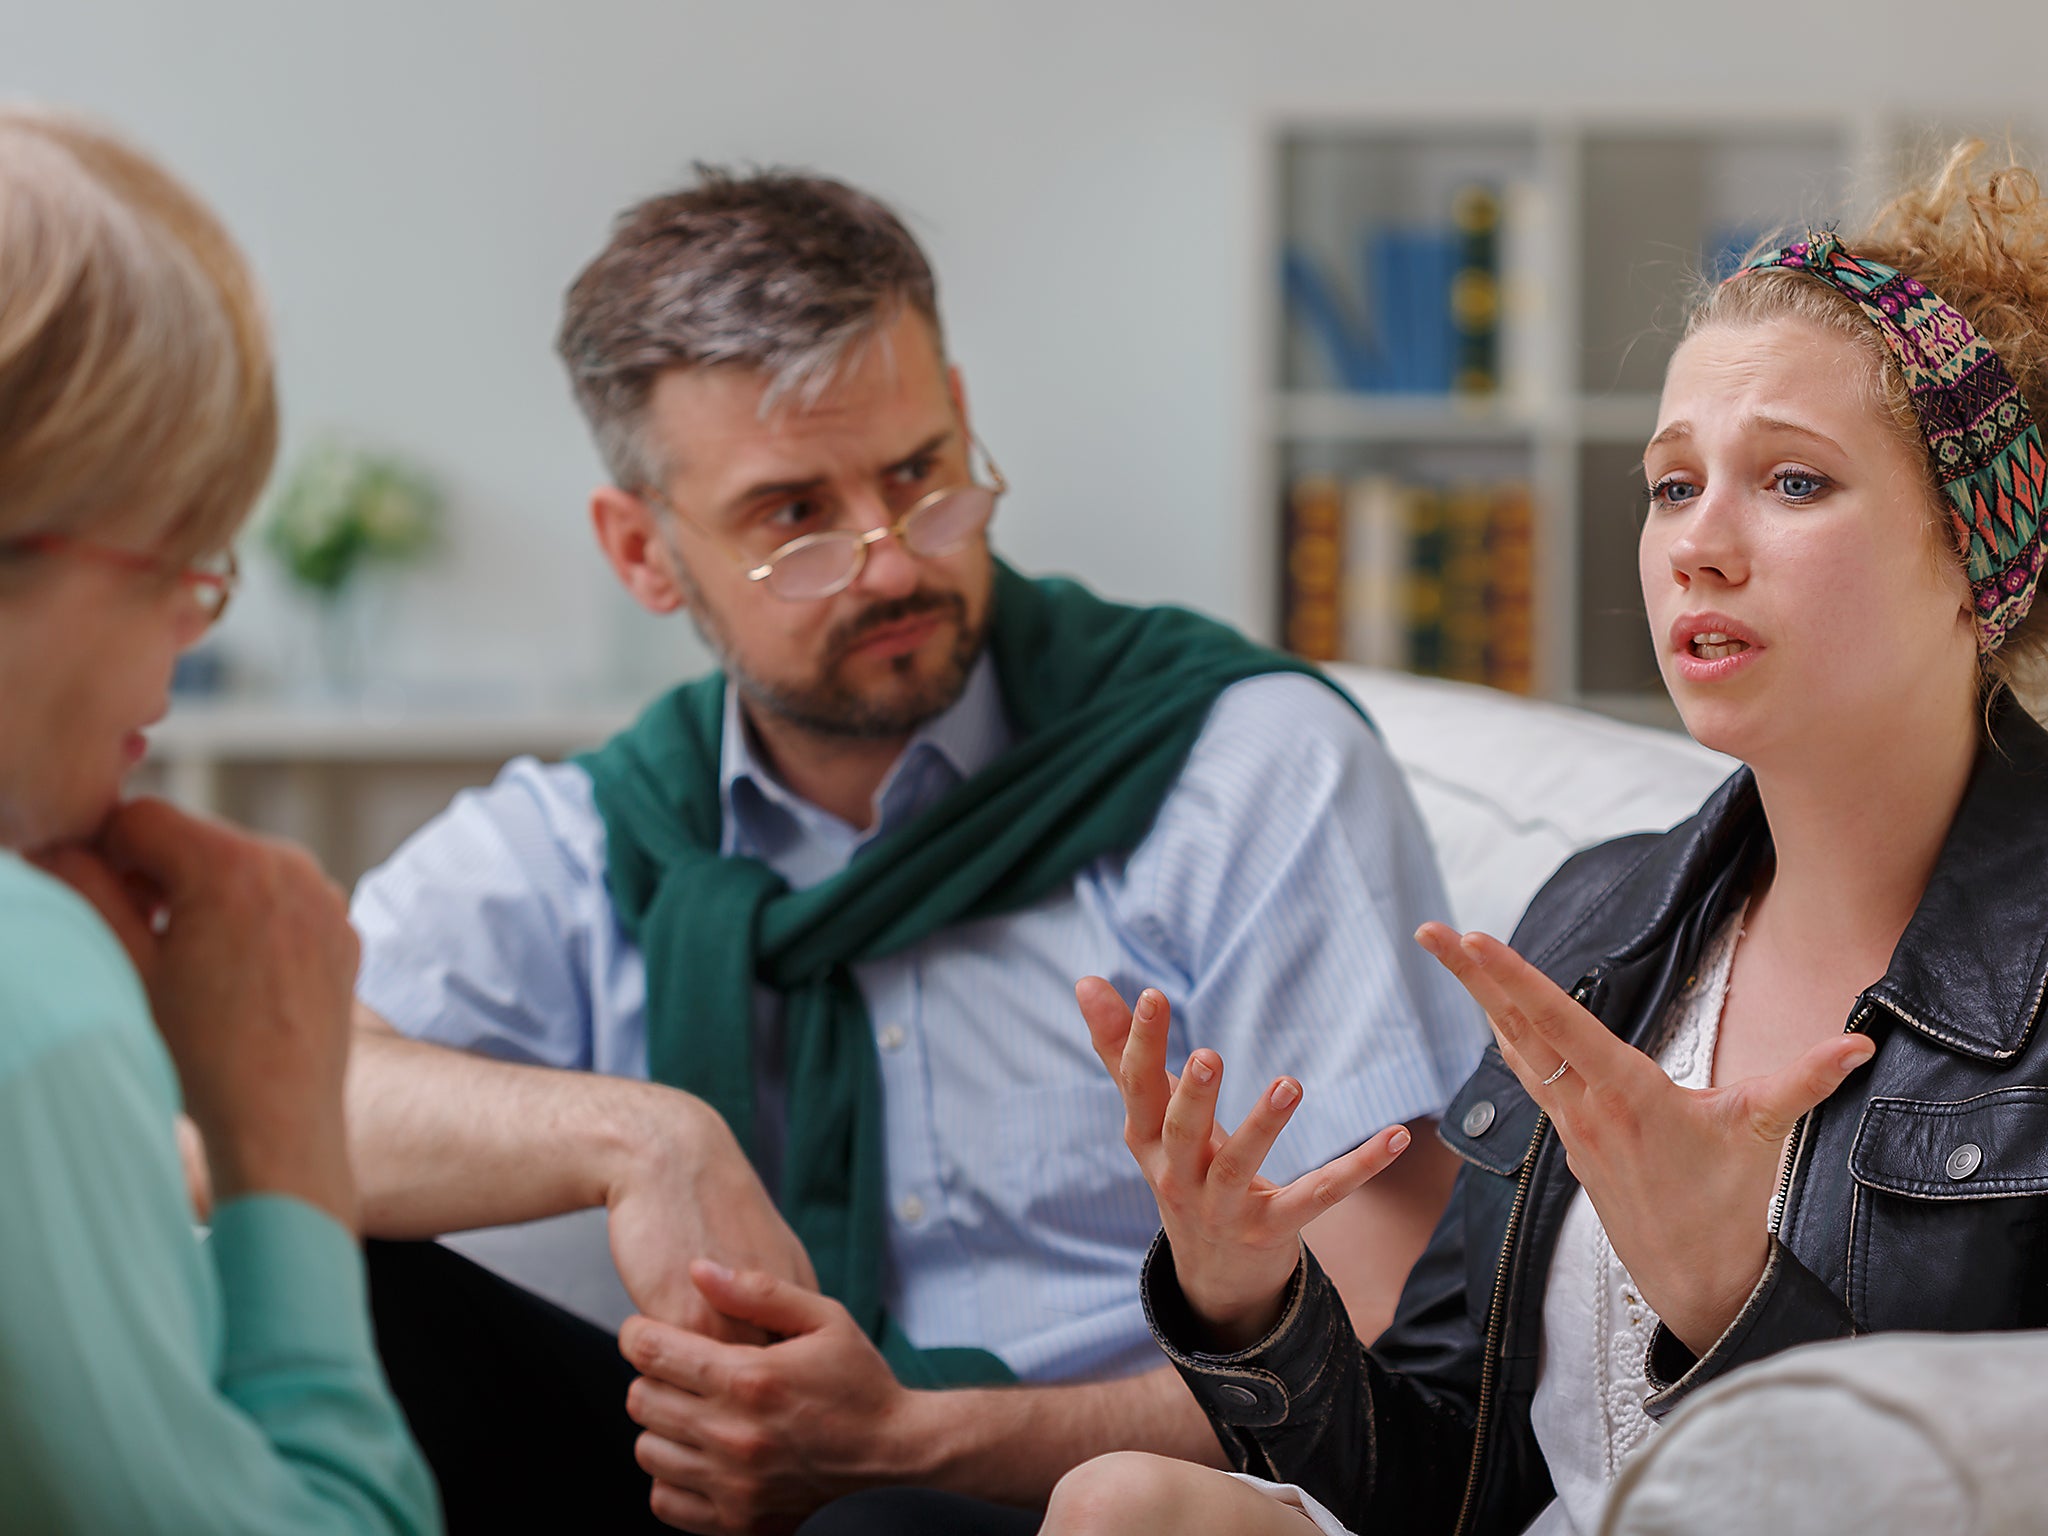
x,y
775,271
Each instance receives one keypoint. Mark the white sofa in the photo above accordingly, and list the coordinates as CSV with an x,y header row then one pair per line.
x,y
1507,788
1899,1434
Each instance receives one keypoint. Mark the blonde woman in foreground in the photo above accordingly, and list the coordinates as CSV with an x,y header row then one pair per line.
x,y
1776,1076
149,1381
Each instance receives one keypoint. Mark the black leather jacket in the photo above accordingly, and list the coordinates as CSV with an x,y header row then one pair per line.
x,y
1915,1197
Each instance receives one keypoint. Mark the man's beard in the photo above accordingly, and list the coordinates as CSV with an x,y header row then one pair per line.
x,y
826,706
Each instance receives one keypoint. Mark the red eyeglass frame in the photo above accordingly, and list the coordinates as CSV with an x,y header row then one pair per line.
x,y
213,587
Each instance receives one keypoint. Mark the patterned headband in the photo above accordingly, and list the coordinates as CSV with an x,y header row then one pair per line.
x,y
1979,429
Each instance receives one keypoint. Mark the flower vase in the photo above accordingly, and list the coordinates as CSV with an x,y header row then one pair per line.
x,y
341,644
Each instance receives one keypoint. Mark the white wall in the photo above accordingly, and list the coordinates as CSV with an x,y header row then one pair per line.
x,y
418,179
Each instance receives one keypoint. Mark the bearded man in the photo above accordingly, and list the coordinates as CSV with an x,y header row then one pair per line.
x,y
782,977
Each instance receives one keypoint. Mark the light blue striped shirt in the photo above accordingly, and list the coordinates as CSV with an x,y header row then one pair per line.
x,y
1273,902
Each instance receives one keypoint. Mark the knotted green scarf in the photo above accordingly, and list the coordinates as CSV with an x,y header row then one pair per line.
x,y
1105,701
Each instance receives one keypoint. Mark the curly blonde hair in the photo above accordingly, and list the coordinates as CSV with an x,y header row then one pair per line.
x,y
1979,240
136,393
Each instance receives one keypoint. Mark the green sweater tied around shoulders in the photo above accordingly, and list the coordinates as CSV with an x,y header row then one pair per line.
x,y
1105,701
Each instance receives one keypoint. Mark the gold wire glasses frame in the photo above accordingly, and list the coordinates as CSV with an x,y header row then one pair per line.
x,y
813,566
212,579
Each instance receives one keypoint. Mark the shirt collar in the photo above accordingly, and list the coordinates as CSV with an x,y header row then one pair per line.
x,y
760,815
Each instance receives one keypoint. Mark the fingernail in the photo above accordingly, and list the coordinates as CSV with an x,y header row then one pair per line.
x,y
1148,1003
1398,1142
716,1270
1200,1070
1284,1093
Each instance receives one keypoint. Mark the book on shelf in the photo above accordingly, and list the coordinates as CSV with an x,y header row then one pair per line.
x,y
1475,290
1314,567
1413,575
1426,313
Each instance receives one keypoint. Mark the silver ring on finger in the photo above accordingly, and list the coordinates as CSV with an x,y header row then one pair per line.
x,y
1562,1068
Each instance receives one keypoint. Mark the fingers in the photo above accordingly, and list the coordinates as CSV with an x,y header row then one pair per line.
x,y
123,908
1561,1023
675,1355
664,1408
769,1303
154,837
1108,1020
1510,1030
699,1316
682,1508
1540,1025
1316,1191
1776,1102
1141,1071
1237,1161
1447,947
1189,1128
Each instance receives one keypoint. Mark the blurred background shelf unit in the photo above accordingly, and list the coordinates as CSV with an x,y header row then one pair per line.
x,y
1468,323
351,782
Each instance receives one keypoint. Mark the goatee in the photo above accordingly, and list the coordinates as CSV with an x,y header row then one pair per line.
x,y
827,706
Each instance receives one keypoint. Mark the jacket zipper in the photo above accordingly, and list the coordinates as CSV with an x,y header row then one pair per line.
x,y
1788,1165
1494,1318
1497,1313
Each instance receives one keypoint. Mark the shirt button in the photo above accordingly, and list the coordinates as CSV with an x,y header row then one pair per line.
x,y
892,1037
911,1209
1479,1118
1964,1160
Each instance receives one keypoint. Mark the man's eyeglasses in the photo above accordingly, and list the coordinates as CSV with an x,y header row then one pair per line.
x,y
818,565
211,580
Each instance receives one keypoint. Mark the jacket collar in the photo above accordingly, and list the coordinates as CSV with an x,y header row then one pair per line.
x,y
1971,969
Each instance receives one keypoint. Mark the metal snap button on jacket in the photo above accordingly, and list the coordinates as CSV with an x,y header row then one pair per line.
x,y
1964,1160
1479,1118
1233,1391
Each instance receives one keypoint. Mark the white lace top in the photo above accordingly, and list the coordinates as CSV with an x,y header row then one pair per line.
x,y
1596,1327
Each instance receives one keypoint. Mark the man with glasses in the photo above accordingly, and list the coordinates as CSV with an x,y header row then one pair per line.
x,y
783,976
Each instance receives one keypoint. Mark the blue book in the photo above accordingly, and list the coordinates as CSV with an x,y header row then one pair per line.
x,y
1437,271
1353,360
1387,297
1408,274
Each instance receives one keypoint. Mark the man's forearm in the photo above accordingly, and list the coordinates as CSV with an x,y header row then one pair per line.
x,y
1011,1444
443,1141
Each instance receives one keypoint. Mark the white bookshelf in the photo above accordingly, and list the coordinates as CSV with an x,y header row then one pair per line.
x,y
1605,223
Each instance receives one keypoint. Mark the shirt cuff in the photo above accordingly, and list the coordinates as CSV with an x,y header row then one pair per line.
x,y
293,1290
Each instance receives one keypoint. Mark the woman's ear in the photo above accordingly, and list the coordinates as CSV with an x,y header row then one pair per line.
x,y
628,531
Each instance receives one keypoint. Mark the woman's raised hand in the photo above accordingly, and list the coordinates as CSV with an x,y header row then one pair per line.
x,y
1235,1234
1682,1178
246,952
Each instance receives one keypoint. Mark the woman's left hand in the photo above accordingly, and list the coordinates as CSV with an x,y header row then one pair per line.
x,y
1682,1178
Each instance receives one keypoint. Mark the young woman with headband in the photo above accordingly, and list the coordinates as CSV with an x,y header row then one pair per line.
x,y
1776,1076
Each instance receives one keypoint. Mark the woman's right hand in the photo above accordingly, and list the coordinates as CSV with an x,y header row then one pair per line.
x,y
1235,1234
245,949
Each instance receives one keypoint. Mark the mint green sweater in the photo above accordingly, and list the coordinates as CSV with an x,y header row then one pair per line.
x,y
149,1381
